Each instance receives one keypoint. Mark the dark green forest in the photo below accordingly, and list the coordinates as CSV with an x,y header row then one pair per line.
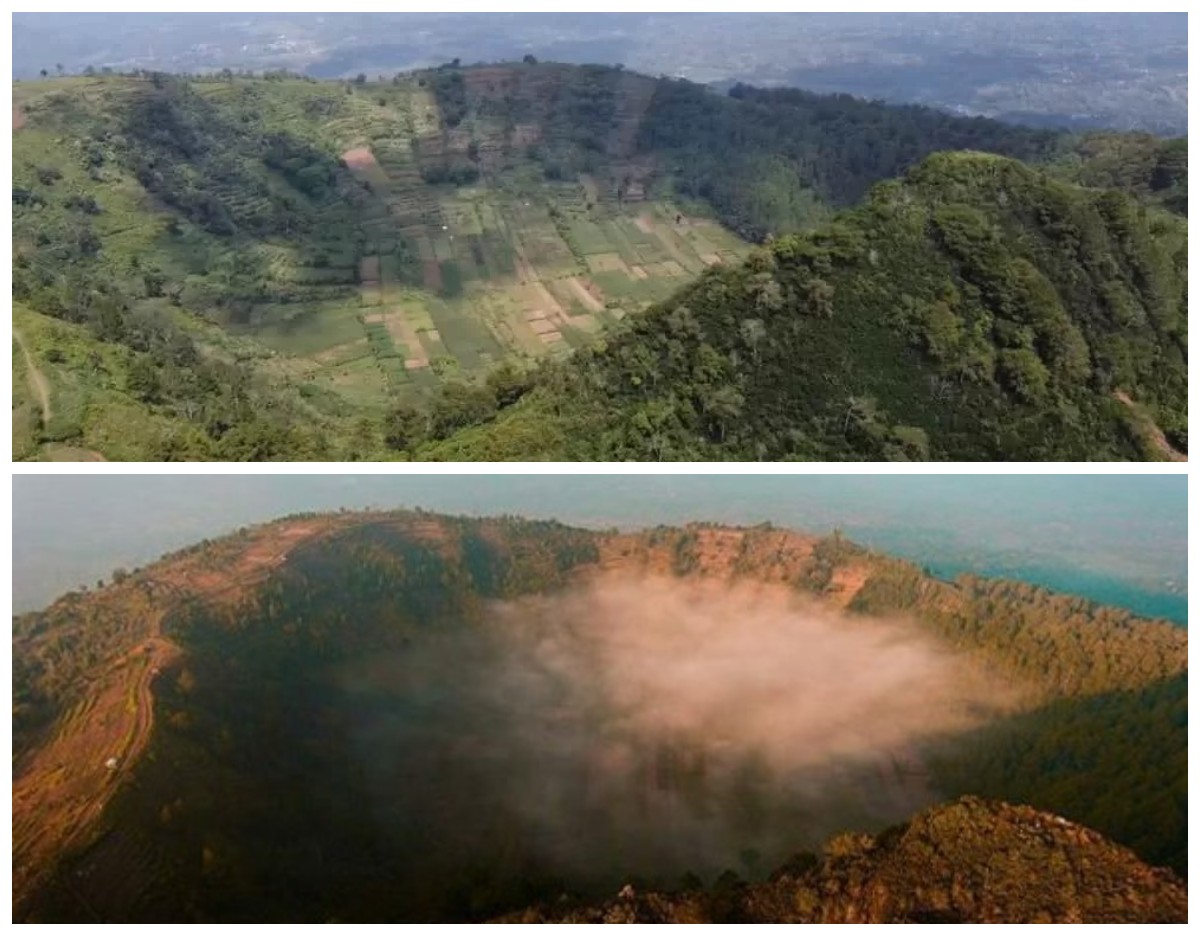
x,y
767,160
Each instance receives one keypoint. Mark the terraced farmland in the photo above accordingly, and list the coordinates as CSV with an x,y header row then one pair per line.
x,y
450,280
356,245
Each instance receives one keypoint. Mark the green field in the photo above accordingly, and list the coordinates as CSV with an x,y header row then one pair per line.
x,y
471,277
398,281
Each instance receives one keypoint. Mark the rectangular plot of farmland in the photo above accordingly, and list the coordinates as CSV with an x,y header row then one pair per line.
x,y
452,279
461,217
477,257
590,237
359,382
620,242
368,270
501,258
639,230
619,286
566,298
607,262
431,341
304,331
466,339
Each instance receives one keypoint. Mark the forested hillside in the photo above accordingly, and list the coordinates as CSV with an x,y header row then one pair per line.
x,y
976,309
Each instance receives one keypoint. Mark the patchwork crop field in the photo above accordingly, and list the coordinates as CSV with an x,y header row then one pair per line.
x,y
444,280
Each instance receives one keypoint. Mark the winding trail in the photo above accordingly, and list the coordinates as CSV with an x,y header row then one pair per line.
x,y
1157,437
37,380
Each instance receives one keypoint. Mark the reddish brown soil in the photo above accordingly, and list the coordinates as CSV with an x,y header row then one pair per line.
x,y
776,555
61,787
359,158
431,274
368,271
18,117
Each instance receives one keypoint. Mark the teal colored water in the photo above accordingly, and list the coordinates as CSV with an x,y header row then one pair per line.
x,y
1115,539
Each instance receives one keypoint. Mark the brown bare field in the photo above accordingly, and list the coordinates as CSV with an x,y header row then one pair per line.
x,y
645,224
525,270
361,161
586,291
368,270
431,275
539,302
711,259
359,158
639,272
18,117
403,334
590,189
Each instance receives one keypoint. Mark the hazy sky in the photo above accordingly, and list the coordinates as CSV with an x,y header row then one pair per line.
x,y
1079,533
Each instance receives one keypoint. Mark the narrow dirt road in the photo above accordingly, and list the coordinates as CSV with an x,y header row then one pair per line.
x,y
1157,436
37,380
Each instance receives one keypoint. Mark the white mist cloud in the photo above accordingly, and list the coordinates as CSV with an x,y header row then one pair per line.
x,y
656,726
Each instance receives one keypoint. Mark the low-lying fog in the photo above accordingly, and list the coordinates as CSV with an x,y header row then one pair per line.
x,y
656,727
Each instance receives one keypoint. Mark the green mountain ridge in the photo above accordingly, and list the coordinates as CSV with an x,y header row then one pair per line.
x,y
976,310
296,269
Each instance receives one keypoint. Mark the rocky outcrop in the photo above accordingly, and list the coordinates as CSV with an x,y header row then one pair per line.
x,y
969,861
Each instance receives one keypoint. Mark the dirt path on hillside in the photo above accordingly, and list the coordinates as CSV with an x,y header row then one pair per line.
x,y
37,380
62,790
1157,437
62,787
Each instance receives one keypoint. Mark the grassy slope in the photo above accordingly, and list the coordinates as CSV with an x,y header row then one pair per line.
x,y
284,282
